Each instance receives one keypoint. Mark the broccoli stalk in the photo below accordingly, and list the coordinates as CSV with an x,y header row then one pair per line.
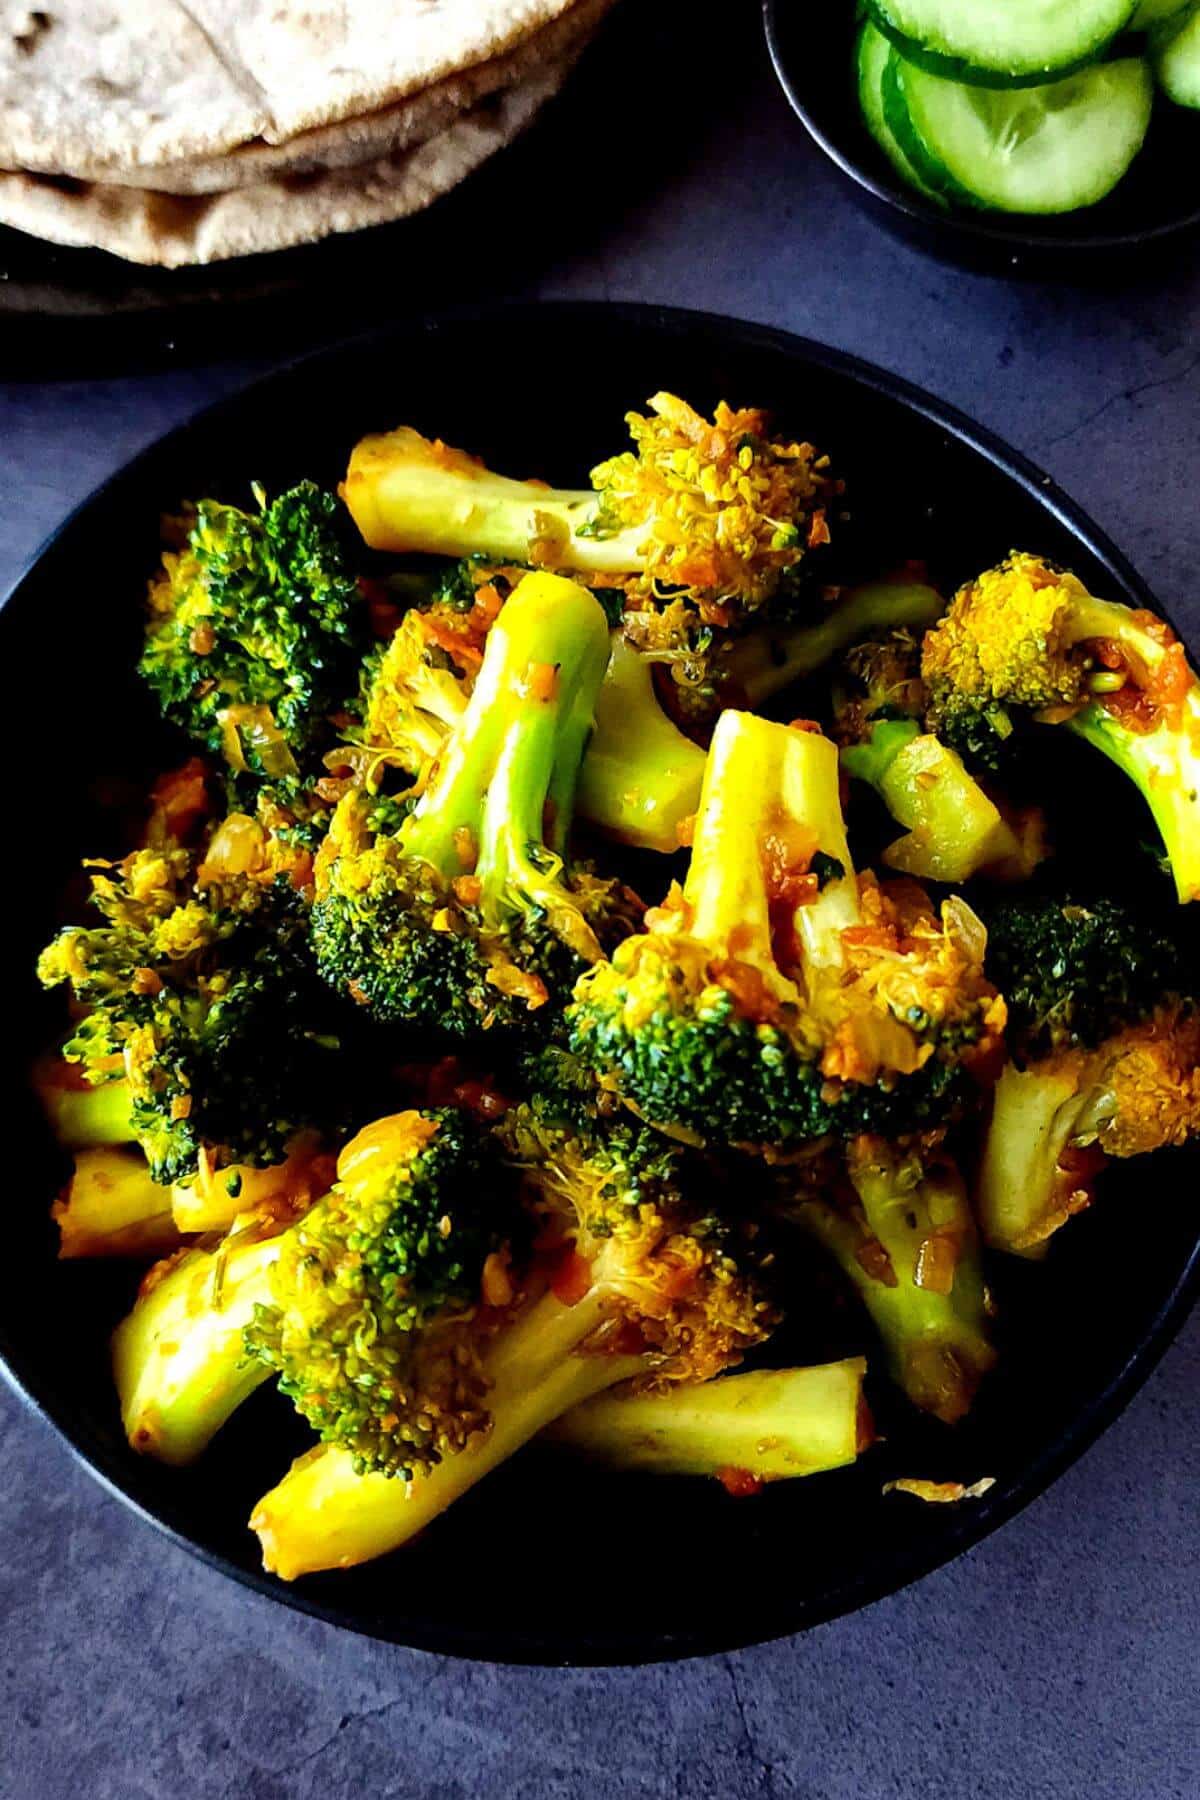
x,y
641,777
1104,1037
214,1197
179,1358
768,1425
79,1114
1164,765
909,1246
729,901
1056,1122
325,1515
769,659
952,829
715,511
1028,1185
1028,638
407,492
467,915
112,1206
503,792
777,998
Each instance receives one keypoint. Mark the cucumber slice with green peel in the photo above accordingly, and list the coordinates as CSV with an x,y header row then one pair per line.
x,y
932,174
1176,59
871,59
1046,149
1005,42
1157,12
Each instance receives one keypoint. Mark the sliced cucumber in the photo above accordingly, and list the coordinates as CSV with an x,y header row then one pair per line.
x,y
1009,41
933,175
1045,149
1176,58
1157,12
871,59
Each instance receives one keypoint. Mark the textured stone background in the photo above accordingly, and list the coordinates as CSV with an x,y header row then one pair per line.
x,y
1059,1658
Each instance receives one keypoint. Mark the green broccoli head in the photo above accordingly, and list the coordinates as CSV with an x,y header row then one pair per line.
x,y
191,987
415,688
1075,971
467,916
1010,640
256,629
372,1323
878,680
637,1239
778,998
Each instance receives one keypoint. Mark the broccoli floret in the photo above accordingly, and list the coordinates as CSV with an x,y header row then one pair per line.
x,y
366,1308
193,984
716,512
1028,638
903,1233
1072,971
1104,1041
766,1425
256,630
953,828
372,1323
777,997
711,668
467,916
461,586
634,1279
415,691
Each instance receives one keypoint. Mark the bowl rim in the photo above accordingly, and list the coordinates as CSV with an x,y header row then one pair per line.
x,y
983,231
967,1526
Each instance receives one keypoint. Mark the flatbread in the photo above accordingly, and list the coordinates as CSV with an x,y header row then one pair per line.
x,y
317,61
371,135
169,230
95,85
116,81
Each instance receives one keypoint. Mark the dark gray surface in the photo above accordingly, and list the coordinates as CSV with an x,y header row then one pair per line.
x,y
1058,1659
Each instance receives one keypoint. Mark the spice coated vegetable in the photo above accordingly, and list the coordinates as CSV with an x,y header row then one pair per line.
x,y
440,1129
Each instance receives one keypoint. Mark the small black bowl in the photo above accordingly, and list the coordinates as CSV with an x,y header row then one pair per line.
x,y
1151,210
546,1562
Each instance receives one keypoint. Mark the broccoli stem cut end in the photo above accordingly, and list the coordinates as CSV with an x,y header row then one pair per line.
x,y
323,1515
770,1424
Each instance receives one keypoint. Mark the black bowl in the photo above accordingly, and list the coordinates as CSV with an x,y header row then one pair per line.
x,y
547,1563
1151,210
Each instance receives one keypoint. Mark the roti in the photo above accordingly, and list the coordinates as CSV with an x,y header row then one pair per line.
x,y
131,84
144,226
371,135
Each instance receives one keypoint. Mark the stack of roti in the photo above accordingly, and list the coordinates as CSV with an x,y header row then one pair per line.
x,y
184,131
